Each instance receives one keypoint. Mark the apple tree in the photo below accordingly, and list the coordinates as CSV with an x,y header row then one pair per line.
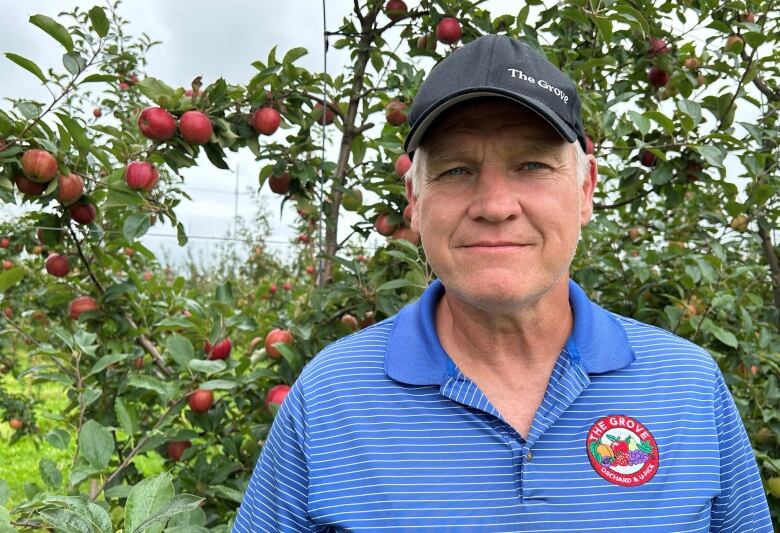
x,y
167,372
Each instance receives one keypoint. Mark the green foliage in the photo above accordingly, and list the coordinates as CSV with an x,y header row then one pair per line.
x,y
685,243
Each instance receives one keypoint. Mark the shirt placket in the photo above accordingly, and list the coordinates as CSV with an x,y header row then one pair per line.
x,y
566,384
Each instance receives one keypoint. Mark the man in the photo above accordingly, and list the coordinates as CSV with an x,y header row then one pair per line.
x,y
504,400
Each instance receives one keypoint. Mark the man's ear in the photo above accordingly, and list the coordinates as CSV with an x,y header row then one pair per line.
x,y
412,200
588,188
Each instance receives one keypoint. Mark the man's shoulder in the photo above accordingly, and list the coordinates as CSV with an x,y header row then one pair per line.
x,y
648,340
361,353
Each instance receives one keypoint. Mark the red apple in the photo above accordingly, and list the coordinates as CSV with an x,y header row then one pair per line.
x,y
657,76
266,120
71,187
395,113
220,350
8,264
141,176
147,275
734,44
383,226
310,269
395,9
272,288
427,42
29,187
201,400
195,127
275,336
317,114
589,147
157,124
407,234
57,265
287,286
97,112
658,47
39,165
647,158
691,63
403,164
361,259
8,312
176,448
16,424
280,184
349,321
749,16
303,238
5,242
83,213
276,395
80,305
123,86
448,30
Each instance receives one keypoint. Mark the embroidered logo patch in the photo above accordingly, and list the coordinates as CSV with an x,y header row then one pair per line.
x,y
622,450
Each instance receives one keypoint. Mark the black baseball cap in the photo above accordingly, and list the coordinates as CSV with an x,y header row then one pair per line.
x,y
497,65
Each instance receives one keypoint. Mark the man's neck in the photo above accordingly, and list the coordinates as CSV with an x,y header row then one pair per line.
x,y
495,343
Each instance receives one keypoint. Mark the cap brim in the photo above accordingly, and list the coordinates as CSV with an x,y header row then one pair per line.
x,y
433,112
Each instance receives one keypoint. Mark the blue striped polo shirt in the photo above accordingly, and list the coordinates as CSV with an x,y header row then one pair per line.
x,y
382,432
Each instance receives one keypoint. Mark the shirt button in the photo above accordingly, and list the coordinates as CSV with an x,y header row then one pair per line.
x,y
529,455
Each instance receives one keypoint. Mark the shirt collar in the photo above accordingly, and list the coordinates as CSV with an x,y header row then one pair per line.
x,y
415,356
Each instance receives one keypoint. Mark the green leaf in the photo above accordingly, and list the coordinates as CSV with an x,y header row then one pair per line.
x,y
690,108
222,384
180,349
724,336
225,293
146,500
74,63
640,121
99,21
664,121
154,89
53,28
294,54
711,154
207,367
394,284
9,278
118,289
181,503
58,437
96,445
136,225
5,521
107,360
151,383
127,416
228,493
604,25
72,513
50,474
26,64
77,132
92,78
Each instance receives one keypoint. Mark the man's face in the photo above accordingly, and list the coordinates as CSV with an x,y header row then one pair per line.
x,y
499,208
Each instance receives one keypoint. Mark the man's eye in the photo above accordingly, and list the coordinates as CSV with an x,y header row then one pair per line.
x,y
533,165
458,171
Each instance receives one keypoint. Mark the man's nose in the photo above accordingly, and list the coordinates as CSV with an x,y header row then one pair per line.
x,y
494,196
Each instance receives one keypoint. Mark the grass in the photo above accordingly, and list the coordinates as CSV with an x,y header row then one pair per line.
x,y
19,462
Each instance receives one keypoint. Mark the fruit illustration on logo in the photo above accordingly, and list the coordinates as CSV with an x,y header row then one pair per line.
x,y
622,450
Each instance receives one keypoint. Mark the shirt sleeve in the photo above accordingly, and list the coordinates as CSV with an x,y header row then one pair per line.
x,y
276,498
741,504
